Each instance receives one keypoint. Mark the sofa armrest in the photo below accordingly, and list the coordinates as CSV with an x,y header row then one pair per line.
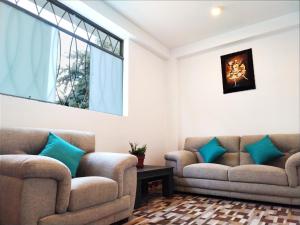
x,y
34,186
292,167
180,159
110,165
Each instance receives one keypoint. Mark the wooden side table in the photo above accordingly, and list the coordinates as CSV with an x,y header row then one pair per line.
x,y
152,173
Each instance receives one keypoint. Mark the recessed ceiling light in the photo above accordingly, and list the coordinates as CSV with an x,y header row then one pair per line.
x,y
216,11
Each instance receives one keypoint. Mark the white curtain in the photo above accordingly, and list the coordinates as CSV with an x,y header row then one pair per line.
x,y
28,55
106,83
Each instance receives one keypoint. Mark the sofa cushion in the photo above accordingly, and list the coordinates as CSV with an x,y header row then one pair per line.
x,y
211,151
19,140
230,143
90,191
263,150
258,174
61,150
210,171
287,143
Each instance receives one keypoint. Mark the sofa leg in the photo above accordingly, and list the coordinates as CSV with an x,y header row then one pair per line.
x,y
123,221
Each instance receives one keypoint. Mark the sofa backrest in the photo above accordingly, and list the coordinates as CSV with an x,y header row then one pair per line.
x,y
32,141
231,143
287,143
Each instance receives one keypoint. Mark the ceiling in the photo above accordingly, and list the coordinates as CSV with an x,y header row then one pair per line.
x,y
177,23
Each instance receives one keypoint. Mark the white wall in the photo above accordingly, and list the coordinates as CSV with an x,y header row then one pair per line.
x,y
273,107
146,122
101,13
172,104
171,100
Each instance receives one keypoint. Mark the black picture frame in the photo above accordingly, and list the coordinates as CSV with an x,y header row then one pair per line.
x,y
238,71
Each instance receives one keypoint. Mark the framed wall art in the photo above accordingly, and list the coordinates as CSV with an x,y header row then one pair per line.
x,y
237,71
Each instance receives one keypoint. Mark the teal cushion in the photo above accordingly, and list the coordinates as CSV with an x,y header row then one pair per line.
x,y
63,151
211,151
263,150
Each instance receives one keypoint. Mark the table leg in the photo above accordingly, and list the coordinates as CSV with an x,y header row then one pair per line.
x,y
167,185
144,187
138,197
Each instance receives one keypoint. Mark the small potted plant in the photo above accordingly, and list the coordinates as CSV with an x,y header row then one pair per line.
x,y
139,152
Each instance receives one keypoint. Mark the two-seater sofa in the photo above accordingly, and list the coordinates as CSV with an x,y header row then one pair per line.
x,y
235,175
38,190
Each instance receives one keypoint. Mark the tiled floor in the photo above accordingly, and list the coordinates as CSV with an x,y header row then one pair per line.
x,y
187,209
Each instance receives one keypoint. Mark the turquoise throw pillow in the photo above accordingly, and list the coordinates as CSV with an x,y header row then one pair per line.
x,y
211,151
63,151
263,150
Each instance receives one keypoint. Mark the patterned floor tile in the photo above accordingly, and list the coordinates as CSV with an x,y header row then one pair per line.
x,y
187,209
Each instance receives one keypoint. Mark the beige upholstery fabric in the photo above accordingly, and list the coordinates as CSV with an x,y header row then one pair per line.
x,y
203,191
110,165
88,215
293,170
130,182
231,143
210,171
91,191
36,190
38,199
24,201
228,194
229,159
110,219
199,157
245,158
278,181
31,166
265,189
258,174
32,141
298,176
253,188
10,198
202,183
279,162
182,159
172,164
287,143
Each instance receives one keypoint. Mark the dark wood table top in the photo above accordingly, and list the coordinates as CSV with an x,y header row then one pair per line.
x,y
153,168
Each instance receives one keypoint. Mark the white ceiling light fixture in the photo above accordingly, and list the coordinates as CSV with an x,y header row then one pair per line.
x,y
216,11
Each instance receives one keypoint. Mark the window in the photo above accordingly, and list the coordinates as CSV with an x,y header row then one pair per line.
x,y
48,52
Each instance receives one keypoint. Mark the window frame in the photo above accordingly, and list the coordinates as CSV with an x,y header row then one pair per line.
x,y
14,4
80,17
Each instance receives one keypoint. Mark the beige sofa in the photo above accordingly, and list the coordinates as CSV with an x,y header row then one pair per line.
x,y
235,175
39,190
